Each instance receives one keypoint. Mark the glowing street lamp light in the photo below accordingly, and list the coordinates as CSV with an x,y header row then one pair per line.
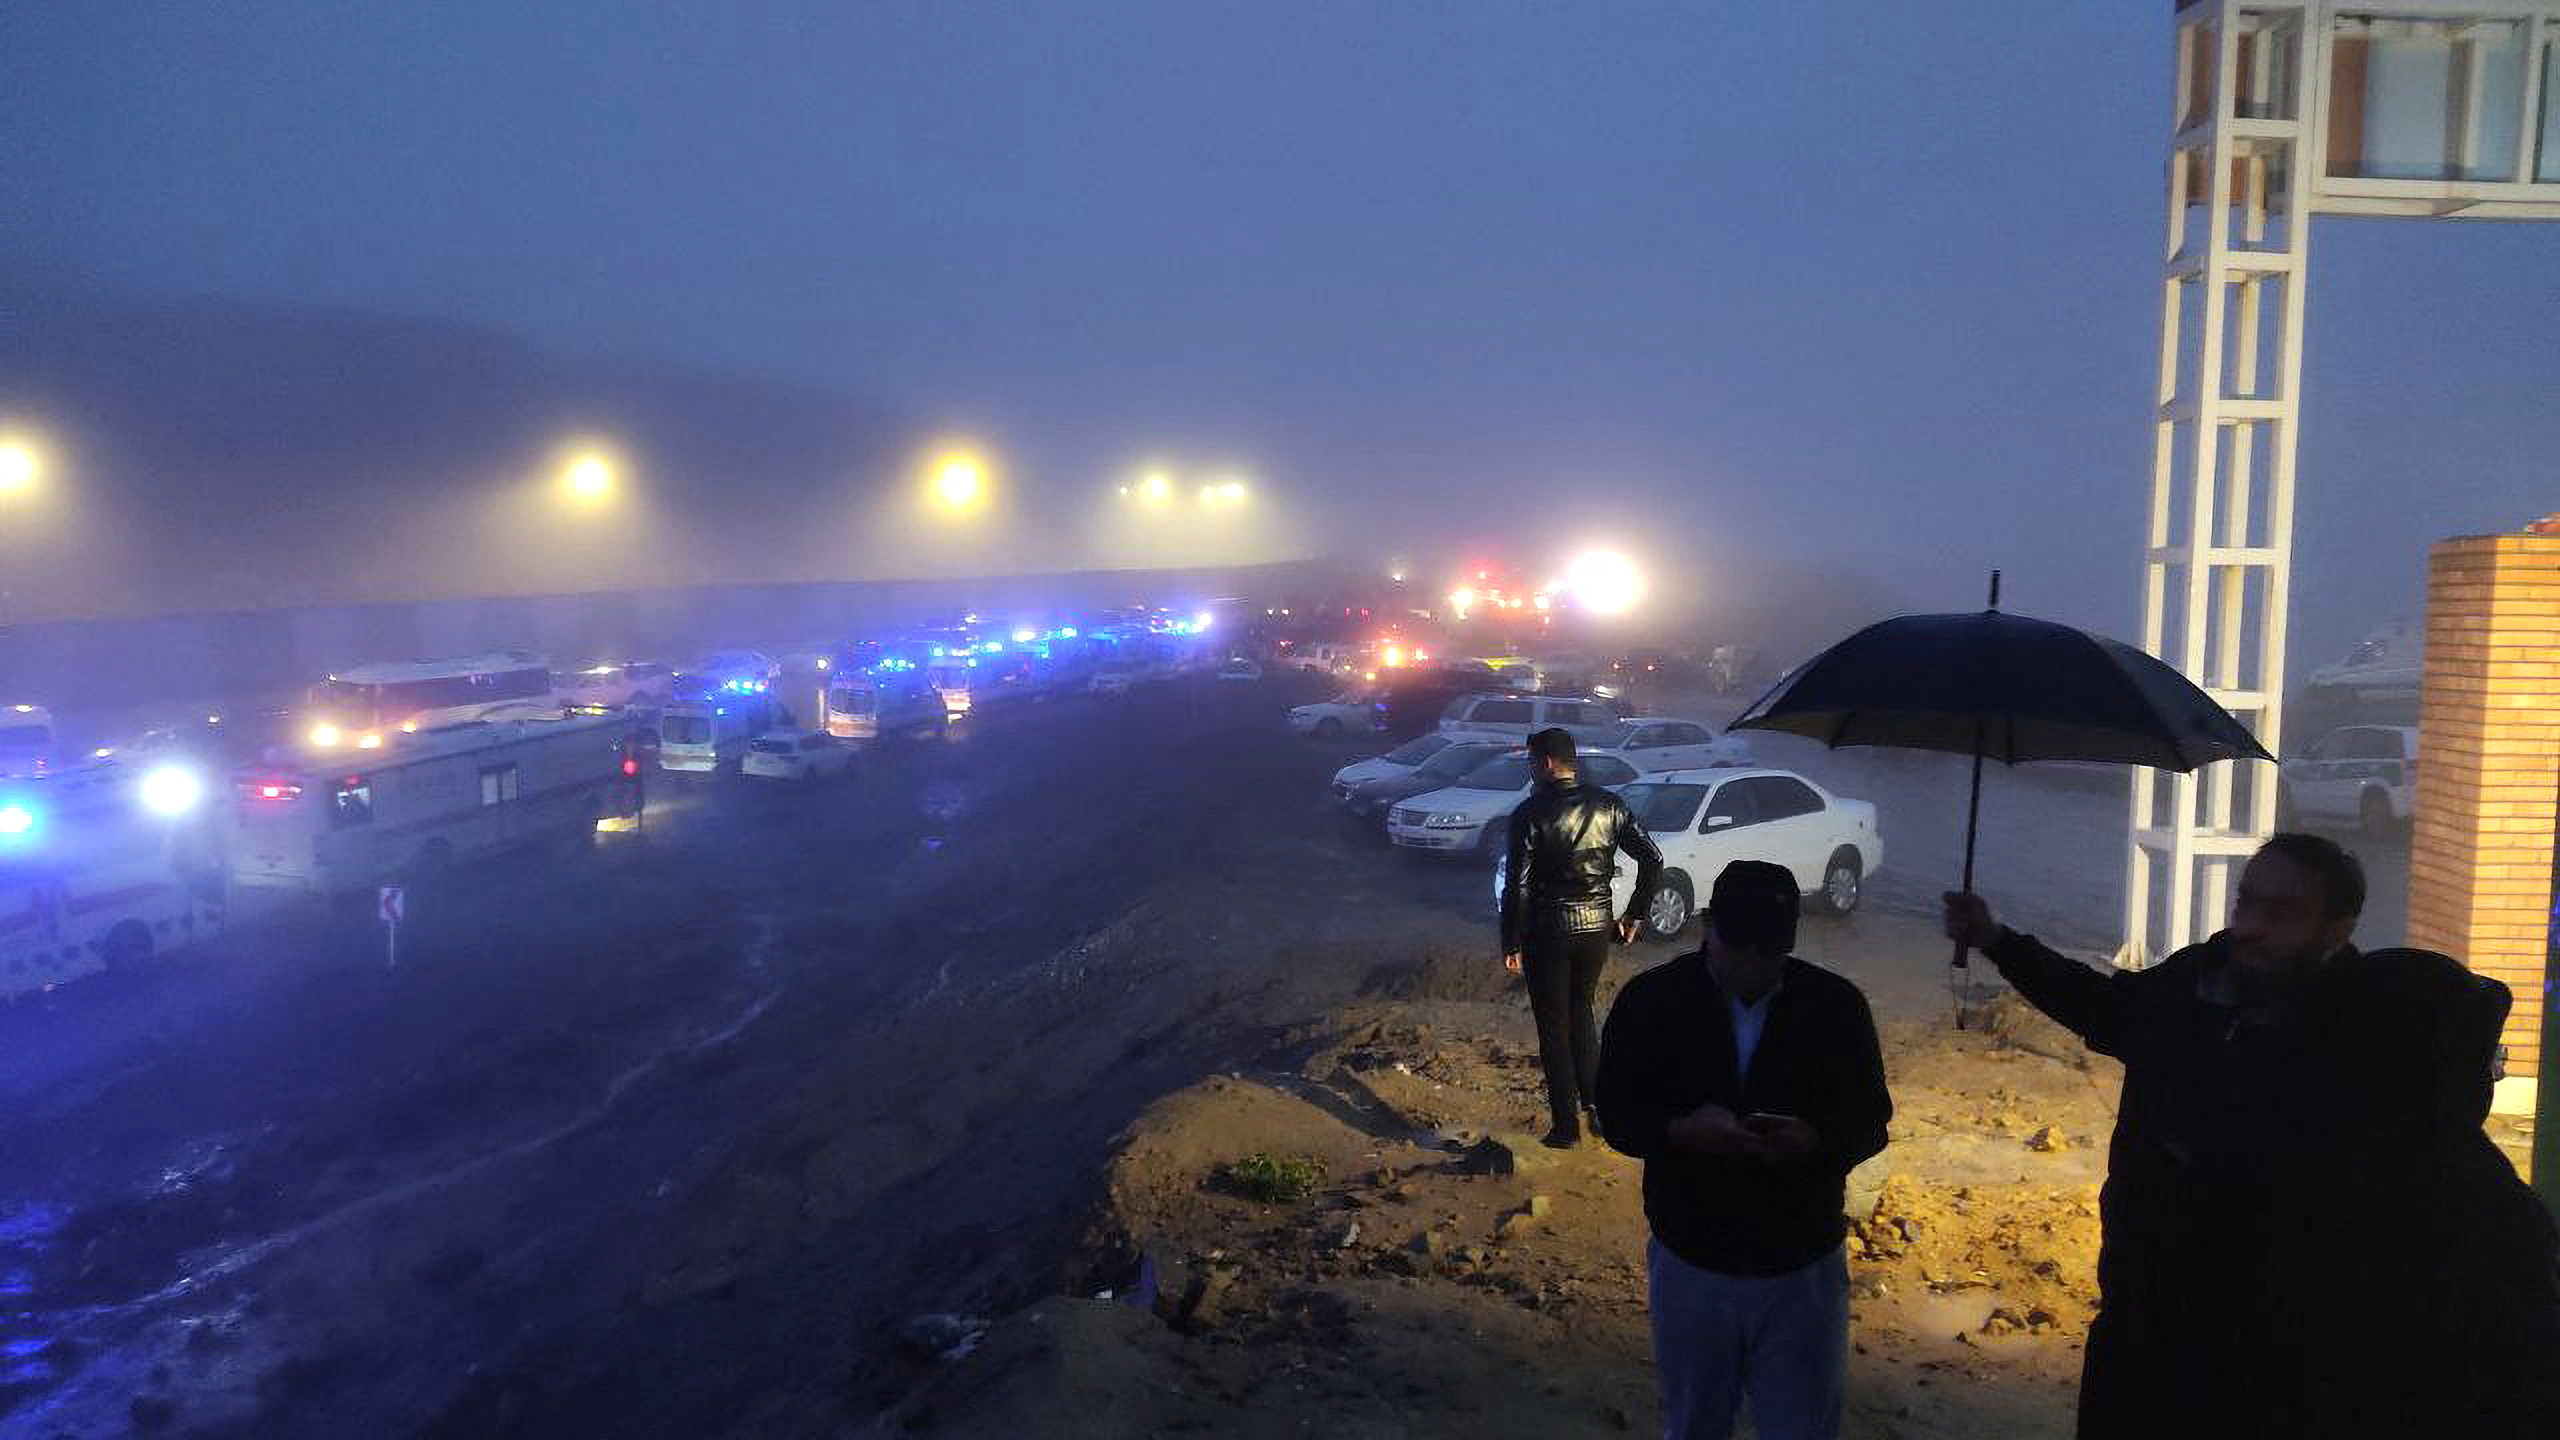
x,y
957,485
21,466
588,479
1604,582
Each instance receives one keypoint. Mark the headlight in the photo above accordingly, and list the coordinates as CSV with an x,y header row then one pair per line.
x,y
16,820
324,734
1449,820
171,790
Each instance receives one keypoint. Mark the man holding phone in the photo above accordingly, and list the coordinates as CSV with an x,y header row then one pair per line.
x,y
1749,1083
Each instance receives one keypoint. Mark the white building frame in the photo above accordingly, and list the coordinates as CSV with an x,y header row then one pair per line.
x,y
2249,166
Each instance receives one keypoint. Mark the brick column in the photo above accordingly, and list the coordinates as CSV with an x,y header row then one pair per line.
x,y
2481,853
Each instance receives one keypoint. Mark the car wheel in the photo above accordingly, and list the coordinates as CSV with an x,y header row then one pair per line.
x,y
126,946
1496,834
2375,811
1841,879
1328,727
1669,911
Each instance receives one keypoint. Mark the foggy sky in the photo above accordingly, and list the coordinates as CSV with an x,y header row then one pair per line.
x,y
1873,284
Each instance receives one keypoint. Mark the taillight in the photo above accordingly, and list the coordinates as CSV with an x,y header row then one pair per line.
x,y
630,766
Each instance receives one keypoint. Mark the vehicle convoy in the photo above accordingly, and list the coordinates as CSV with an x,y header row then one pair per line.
x,y
2364,773
27,743
104,868
1473,812
796,755
428,801
1704,820
1371,798
363,707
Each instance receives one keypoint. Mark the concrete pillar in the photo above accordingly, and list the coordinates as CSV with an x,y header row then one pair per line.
x,y
2481,854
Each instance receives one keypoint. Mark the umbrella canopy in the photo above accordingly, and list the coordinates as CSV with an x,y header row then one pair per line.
x,y
2003,687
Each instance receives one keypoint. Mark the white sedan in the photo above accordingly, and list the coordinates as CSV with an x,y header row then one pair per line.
x,y
1335,716
1654,743
1475,812
1399,761
796,755
1704,820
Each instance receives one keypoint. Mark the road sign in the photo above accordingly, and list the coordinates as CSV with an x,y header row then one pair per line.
x,y
394,904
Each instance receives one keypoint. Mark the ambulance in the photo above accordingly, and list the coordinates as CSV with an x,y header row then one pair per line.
x,y
103,868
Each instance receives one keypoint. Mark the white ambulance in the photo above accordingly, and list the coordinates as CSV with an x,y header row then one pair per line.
x,y
426,801
104,868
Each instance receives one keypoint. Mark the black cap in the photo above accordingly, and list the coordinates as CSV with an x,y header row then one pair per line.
x,y
1754,906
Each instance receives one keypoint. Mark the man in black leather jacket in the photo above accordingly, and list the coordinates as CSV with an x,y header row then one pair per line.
x,y
1564,844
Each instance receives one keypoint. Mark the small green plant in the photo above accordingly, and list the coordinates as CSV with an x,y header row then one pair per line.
x,y
1272,1179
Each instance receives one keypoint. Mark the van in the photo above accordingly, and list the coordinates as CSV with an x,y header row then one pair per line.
x,y
1519,716
865,707
711,735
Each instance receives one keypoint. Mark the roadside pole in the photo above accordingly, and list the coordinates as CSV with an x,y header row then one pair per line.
x,y
392,901
2546,1065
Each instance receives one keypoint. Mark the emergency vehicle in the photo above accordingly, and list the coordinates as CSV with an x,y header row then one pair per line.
x,y
26,741
362,708
104,868
428,800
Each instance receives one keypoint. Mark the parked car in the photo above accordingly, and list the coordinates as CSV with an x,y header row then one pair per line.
x,y
796,755
1334,716
1473,813
2365,773
1704,820
1651,742
1399,761
1375,797
1240,668
1519,716
1113,680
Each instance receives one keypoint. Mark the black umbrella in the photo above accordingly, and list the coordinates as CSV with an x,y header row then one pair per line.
x,y
2003,687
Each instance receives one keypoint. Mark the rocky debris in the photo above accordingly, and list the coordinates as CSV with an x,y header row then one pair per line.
x,y
1511,1153
1347,1237
2048,1141
1539,1207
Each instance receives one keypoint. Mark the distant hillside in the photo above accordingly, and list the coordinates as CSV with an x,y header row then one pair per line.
x,y
218,454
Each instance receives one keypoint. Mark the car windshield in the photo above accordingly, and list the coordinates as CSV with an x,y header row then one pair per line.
x,y
1509,772
25,737
1664,809
1416,750
1453,762
772,747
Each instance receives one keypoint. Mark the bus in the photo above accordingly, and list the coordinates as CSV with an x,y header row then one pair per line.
x,y
362,708
103,869
429,800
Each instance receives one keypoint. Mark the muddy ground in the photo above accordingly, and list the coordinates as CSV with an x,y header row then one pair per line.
x,y
742,1126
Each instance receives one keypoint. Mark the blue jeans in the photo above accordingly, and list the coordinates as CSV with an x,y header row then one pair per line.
x,y
1781,1340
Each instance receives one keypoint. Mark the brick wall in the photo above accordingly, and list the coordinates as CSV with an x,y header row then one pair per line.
x,y
2480,856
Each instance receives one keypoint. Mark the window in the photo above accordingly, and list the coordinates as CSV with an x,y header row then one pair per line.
x,y
1417,750
1689,735
813,742
1576,713
1650,737
497,784
2329,747
851,701
25,737
687,729
1455,761
350,803
1508,772
770,747
1664,809
1503,712
1732,804
1606,770
1778,798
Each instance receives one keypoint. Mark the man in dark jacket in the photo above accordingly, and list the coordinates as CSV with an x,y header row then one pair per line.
x,y
1564,845
2220,1045
1749,1083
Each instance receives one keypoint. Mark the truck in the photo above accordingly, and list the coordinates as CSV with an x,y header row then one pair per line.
x,y
103,868
427,801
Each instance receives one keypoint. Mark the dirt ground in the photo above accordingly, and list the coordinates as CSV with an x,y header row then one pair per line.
x,y
1447,1274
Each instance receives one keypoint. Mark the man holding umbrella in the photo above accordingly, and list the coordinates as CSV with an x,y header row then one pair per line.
x,y
2219,1043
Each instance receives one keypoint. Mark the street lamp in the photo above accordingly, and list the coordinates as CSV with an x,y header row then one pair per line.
x,y
588,478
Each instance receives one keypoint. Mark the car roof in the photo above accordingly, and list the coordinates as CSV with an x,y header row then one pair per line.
x,y
1709,774
786,734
